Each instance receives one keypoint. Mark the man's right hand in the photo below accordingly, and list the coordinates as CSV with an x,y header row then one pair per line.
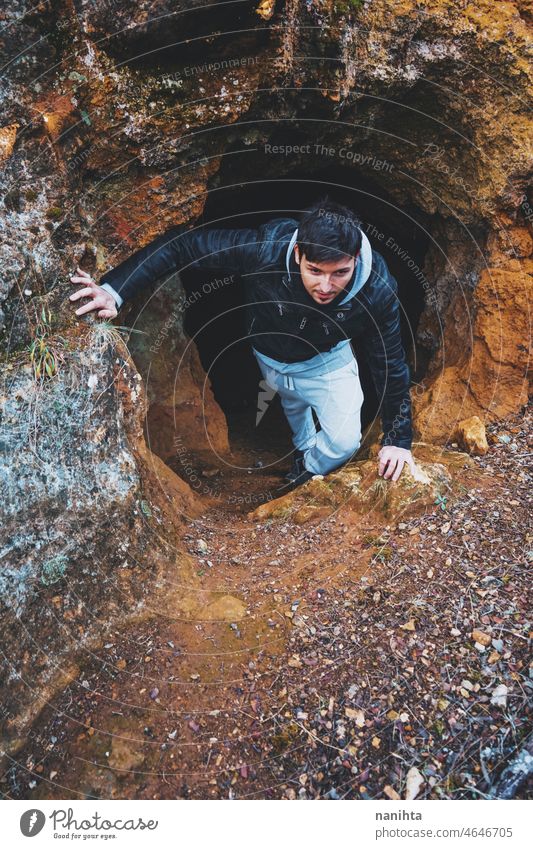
x,y
101,300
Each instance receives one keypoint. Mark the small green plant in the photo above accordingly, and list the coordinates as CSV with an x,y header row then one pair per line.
x,y
440,501
105,333
45,350
379,488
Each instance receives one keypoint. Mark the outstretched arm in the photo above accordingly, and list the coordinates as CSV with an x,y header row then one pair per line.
x,y
390,373
175,250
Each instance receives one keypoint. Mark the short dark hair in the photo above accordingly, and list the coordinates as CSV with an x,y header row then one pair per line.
x,y
328,231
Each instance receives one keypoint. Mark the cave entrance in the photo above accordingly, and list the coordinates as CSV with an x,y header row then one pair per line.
x,y
216,322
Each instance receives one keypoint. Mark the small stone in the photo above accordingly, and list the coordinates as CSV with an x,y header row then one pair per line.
x,y
201,546
471,435
499,696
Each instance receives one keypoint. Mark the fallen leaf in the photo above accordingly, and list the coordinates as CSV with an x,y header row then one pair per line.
x,y
390,792
357,715
413,783
481,637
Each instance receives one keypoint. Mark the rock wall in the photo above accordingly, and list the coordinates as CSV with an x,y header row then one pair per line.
x,y
82,500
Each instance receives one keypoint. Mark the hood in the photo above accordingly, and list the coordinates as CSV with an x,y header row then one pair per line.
x,y
363,266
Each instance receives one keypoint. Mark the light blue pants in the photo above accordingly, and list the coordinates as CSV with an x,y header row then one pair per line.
x,y
337,398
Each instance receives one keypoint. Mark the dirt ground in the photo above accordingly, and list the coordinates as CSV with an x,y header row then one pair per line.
x,y
332,659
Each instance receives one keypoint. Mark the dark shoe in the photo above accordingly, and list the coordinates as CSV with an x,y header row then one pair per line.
x,y
297,466
304,476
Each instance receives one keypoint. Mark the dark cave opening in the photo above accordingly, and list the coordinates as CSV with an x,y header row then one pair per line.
x,y
216,322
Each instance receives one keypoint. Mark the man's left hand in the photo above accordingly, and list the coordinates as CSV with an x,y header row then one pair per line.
x,y
392,459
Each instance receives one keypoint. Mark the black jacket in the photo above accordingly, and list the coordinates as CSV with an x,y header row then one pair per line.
x,y
284,322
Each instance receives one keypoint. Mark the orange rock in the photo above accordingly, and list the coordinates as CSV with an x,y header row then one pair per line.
x,y
8,135
58,114
489,377
357,488
470,434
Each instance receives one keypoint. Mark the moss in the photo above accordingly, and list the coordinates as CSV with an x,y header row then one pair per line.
x,y
285,738
31,194
53,570
145,507
347,7
439,727
54,212
370,539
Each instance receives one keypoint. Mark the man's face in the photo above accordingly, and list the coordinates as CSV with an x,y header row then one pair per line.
x,y
324,280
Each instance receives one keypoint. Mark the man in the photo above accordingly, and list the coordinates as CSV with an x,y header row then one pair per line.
x,y
309,288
